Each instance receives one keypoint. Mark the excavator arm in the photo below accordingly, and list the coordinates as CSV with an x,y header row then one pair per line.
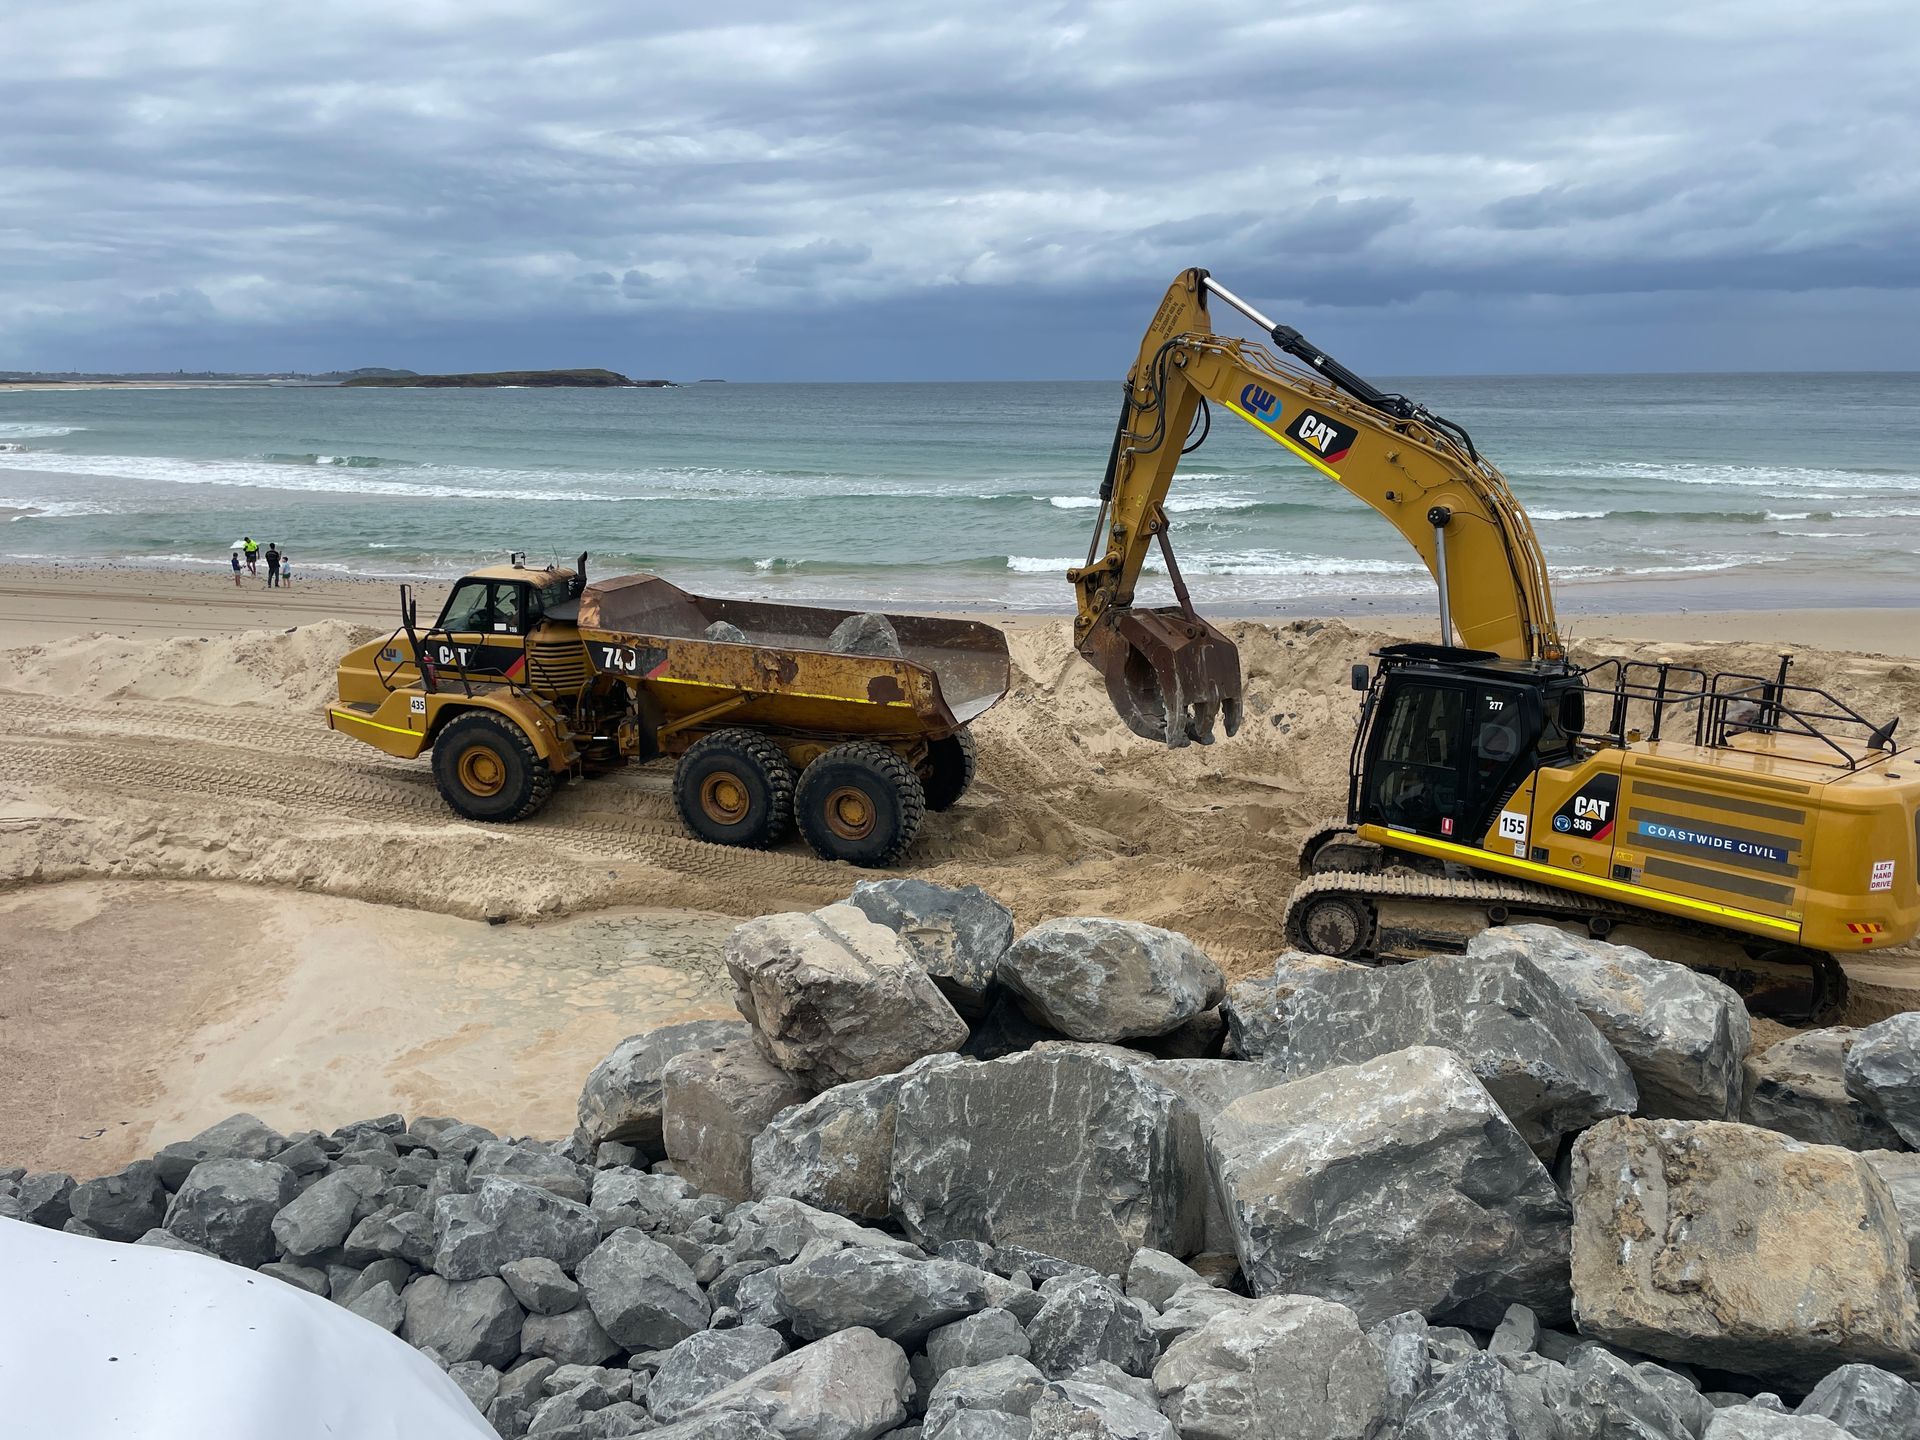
x,y
1169,672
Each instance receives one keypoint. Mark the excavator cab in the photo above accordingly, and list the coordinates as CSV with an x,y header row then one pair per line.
x,y
1448,734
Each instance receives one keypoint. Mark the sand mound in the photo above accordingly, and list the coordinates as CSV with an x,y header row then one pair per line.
x,y
254,667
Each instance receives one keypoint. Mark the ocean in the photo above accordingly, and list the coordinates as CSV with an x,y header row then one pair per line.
x,y
1726,491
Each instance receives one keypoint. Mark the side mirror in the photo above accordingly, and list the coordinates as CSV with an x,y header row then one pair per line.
x,y
1573,711
1361,677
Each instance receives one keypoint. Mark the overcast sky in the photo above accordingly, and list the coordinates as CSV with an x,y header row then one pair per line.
x,y
909,190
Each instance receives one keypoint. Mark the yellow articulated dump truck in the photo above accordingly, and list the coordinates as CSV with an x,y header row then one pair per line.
x,y
848,726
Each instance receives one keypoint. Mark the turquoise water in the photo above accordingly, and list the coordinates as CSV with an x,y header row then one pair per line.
x,y
1720,489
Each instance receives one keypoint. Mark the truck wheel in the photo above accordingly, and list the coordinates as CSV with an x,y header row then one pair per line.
x,y
735,787
949,770
487,768
860,802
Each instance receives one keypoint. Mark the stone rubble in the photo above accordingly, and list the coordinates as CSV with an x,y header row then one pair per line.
x,y
941,1183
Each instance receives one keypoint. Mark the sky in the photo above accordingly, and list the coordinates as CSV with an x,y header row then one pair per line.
x,y
902,190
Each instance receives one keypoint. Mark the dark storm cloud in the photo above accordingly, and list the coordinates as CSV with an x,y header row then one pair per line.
x,y
368,183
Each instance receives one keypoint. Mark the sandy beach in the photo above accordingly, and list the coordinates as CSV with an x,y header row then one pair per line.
x,y
192,864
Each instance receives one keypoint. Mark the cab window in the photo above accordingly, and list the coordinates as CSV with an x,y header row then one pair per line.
x,y
468,607
1416,779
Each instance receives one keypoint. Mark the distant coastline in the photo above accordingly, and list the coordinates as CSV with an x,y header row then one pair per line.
x,y
501,379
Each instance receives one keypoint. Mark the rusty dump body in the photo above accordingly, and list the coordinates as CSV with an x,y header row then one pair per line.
x,y
644,630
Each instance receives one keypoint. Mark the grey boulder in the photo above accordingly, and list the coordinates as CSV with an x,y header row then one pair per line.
x,y
1867,1402
1756,1422
533,1166
621,1099
835,1151
641,1292
990,1334
392,1232
463,1319
1083,1322
1883,1071
541,1286
958,934
834,997
228,1206
1100,979
725,632
709,1361
1397,1184
1538,1056
46,1198
572,1337
1287,1366
238,1137
1738,1248
849,1386
1071,1154
1683,1034
122,1206
868,633
321,1217
1799,1088
380,1304
1074,1410
1203,1088
893,1296
1006,1387
715,1102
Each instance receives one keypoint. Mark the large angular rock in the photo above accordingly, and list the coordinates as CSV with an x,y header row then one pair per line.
x,y
989,1334
501,1221
1070,1154
46,1198
541,1286
391,1233
709,1361
238,1137
641,1292
1738,1248
958,934
1867,1402
122,1206
835,1152
1393,1185
889,1294
1073,1410
716,1103
1099,979
1683,1034
321,1217
1799,1088
571,1338
1006,1387
533,1166
1883,1072
849,1386
834,997
1288,1366
621,1099
1540,1058
1756,1422
1481,1399
228,1207
463,1319
1084,1322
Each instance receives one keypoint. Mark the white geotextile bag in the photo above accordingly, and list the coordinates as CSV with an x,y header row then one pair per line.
x,y
132,1342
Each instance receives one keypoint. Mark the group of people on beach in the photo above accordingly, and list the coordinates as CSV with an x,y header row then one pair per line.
x,y
279,567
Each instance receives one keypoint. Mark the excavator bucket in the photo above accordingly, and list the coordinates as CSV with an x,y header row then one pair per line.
x,y
1169,673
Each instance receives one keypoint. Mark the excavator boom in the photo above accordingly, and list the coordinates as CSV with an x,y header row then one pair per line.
x,y
1169,672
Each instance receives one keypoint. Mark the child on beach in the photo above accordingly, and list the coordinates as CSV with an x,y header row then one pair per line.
x,y
286,572
235,557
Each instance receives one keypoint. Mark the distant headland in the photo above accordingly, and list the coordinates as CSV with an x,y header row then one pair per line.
x,y
578,379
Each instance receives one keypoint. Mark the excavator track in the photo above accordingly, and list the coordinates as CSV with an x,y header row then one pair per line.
x,y
1396,915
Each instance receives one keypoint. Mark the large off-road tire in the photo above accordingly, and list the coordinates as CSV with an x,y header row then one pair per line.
x,y
487,768
861,803
950,766
735,787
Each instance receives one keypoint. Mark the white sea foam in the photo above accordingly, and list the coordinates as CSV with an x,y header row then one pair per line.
x,y
1175,504
1246,562
36,430
1568,514
1783,478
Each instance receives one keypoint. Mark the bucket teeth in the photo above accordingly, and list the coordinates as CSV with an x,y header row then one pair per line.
x,y
1171,675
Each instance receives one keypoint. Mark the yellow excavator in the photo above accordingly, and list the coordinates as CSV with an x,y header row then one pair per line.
x,y
1744,824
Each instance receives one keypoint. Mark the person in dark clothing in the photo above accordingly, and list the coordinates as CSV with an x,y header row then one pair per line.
x,y
273,566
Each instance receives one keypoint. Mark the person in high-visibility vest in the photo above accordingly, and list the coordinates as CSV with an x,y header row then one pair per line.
x,y
253,554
